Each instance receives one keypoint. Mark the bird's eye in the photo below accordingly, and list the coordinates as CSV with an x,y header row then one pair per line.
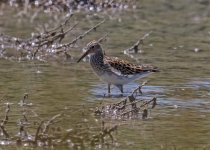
x,y
92,47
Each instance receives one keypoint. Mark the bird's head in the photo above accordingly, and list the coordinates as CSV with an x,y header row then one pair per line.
x,y
91,48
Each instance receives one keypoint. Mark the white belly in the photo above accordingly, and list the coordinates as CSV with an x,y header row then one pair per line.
x,y
115,79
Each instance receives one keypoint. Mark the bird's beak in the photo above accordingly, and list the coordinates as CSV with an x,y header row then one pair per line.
x,y
85,54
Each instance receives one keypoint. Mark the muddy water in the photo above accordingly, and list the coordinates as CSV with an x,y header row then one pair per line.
x,y
178,45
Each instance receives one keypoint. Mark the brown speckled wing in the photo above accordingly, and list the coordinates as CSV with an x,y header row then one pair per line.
x,y
126,68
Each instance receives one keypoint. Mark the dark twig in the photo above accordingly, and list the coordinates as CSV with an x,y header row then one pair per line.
x,y
135,47
130,106
51,121
37,132
79,37
51,36
102,38
4,121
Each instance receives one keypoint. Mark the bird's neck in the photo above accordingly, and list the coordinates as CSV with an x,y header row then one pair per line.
x,y
97,58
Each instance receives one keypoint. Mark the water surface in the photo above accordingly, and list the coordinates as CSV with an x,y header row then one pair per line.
x,y
178,45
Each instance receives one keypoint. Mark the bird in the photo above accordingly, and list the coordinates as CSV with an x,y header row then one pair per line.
x,y
113,70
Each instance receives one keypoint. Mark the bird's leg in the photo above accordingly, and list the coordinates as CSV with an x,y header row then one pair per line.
x,y
109,88
120,88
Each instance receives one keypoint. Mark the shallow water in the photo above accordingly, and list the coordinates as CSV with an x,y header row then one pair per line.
x,y
178,45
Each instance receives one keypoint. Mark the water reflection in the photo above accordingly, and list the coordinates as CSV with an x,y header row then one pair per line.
x,y
100,90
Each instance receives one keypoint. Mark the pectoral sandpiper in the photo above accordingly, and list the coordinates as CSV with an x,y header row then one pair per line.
x,y
114,70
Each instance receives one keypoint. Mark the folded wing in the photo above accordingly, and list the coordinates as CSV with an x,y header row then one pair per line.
x,y
125,68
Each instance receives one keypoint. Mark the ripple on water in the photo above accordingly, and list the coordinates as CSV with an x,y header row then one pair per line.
x,y
199,83
202,105
161,92
192,95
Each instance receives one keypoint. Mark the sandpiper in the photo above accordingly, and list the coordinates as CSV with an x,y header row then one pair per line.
x,y
114,70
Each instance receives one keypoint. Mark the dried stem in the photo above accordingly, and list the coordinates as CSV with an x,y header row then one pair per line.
x,y
79,37
4,121
130,106
50,122
135,47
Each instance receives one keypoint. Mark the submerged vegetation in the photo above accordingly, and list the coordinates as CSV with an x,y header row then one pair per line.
x,y
33,131
132,107
47,41
42,45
